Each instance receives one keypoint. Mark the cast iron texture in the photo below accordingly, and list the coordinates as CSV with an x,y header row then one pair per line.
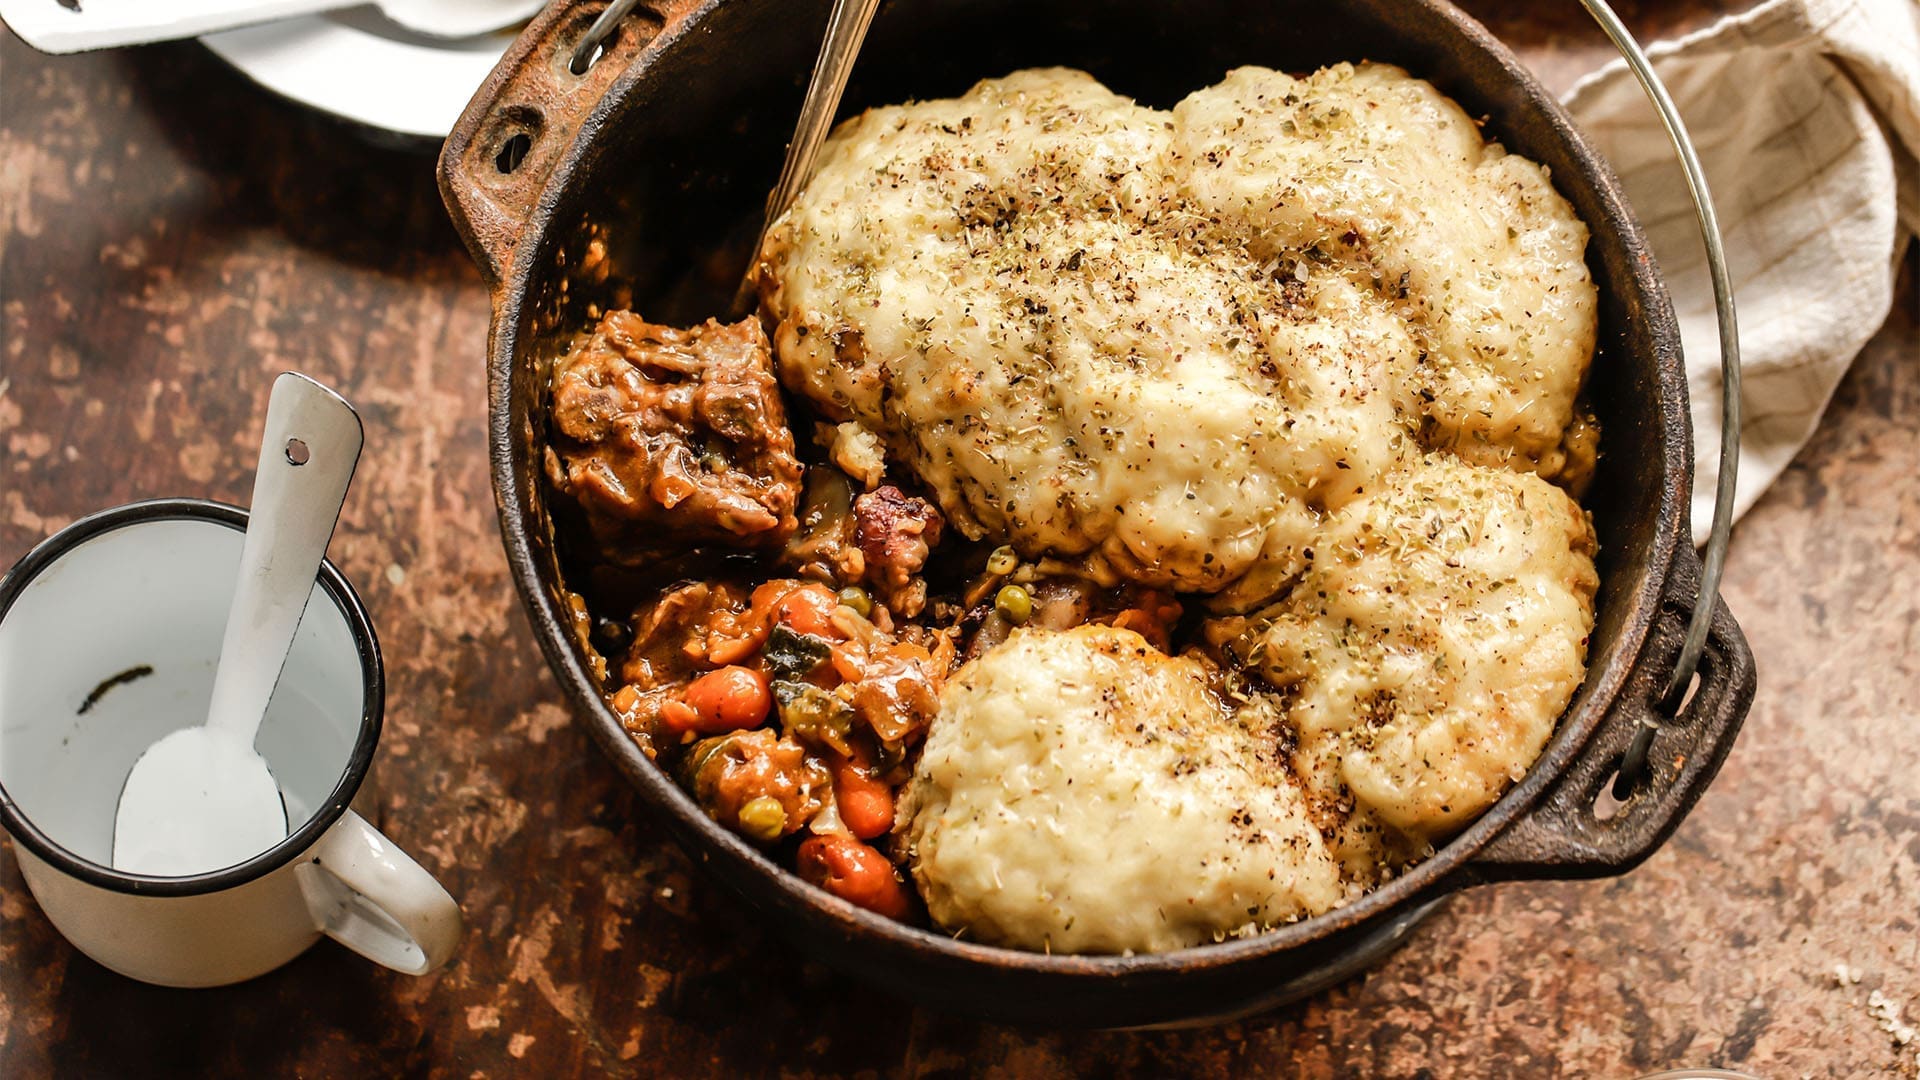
x,y
639,183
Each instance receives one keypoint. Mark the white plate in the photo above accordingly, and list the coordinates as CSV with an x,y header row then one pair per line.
x,y
357,65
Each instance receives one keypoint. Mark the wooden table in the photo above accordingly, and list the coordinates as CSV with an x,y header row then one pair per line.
x,y
170,237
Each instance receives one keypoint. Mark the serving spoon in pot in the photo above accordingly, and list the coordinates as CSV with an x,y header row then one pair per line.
x,y
846,30
201,798
66,26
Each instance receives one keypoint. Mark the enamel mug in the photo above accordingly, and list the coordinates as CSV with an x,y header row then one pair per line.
x,y
110,633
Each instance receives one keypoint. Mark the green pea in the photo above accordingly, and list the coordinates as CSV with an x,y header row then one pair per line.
x,y
763,818
1003,560
1014,604
856,598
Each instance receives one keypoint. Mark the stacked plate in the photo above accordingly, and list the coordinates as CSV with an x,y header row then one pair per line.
x,y
362,67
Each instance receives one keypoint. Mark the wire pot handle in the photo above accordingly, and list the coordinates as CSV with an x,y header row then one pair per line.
x,y
586,51
1633,764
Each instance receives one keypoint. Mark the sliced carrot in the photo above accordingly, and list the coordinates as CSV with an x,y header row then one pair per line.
x,y
846,664
767,597
1143,623
809,609
679,716
730,699
734,650
733,636
625,700
854,872
865,802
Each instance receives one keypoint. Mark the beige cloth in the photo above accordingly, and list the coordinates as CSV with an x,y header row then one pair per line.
x,y
1806,116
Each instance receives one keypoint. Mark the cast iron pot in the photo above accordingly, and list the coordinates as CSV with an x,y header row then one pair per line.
x,y
634,173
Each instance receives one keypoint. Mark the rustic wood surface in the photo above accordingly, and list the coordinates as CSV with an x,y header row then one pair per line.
x,y
170,237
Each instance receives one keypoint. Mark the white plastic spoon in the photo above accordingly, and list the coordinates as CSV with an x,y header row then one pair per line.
x,y
201,798
57,26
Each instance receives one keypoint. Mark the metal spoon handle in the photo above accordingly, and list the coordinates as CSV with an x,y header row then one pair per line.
x,y
307,456
846,30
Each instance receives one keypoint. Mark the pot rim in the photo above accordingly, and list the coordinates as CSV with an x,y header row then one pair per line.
x,y
1442,872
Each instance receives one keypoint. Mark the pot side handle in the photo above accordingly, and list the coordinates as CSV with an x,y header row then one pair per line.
x,y
1577,830
496,162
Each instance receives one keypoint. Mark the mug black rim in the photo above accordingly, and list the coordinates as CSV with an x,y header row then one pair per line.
x,y
372,708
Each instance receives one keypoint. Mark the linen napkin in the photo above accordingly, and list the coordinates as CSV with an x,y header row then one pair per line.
x,y
1806,117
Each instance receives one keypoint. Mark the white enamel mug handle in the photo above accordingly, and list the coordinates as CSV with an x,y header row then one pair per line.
x,y
367,894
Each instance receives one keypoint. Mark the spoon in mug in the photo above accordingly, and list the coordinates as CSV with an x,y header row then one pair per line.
x,y
201,798
64,26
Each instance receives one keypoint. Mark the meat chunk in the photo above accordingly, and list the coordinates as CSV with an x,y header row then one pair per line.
x,y
682,432
896,532
670,633
825,548
897,695
758,784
